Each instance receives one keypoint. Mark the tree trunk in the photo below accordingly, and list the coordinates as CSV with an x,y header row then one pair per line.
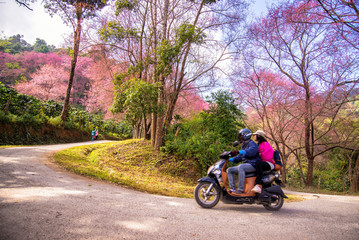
x,y
148,131
136,130
159,129
309,137
77,37
284,167
310,172
153,128
178,86
161,98
300,168
7,106
355,176
154,30
170,109
145,128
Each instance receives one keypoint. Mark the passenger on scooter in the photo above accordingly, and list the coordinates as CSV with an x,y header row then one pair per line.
x,y
248,155
267,160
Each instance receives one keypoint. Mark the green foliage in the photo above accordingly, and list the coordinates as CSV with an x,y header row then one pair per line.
x,y
137,98
18,104
29,111
205,136
4,44
28,119
331,174
121,130
223,115
12,65
6,118
15,44
189,33
124,4
55,121
79,8
294,177
41,46
168,52
51,108
114,31
334,173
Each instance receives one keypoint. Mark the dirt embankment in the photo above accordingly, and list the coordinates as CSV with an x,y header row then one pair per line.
x,y
18,134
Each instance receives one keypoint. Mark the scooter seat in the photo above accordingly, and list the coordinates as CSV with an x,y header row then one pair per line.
x,y
251,174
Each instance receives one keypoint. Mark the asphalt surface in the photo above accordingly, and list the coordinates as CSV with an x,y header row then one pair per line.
x,y
39,200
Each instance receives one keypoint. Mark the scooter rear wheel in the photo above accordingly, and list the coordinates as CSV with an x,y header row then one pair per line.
x,y
275,205
206,197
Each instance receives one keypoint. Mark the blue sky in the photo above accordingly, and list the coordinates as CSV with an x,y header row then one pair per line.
x,y
38,24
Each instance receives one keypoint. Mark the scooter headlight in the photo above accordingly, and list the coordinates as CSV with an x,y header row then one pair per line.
x,y
214,170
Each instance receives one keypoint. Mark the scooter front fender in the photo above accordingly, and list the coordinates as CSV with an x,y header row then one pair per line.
x,y
207,179
276,190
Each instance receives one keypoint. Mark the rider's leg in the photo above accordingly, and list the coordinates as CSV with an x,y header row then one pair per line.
x,y
243,168
230,173
261,167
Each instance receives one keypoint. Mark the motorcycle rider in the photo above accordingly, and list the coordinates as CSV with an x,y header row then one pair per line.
x,y
267,160
248,155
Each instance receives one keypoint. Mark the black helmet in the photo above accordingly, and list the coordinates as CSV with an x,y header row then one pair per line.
x,y
244,135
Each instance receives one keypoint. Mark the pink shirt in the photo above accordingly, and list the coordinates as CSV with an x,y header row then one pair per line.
x,y
266,152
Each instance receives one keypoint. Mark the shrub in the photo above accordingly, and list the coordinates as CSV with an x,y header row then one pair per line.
x,y
30,111
28,119
51,108
55,121
205,136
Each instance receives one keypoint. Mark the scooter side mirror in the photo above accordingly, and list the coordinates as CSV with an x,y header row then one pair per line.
x,y
235,144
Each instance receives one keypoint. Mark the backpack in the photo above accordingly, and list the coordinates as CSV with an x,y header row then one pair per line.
x,y
278,163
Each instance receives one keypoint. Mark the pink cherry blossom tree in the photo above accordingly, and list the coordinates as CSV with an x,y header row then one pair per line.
x,y
48,83
311,57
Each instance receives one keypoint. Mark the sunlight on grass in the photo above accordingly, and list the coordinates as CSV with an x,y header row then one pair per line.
x,y
132,163
294,198
11,146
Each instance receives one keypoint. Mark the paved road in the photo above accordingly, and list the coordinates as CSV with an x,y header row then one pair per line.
x,y
39,200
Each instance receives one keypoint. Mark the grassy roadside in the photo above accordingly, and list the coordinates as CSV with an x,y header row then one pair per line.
x,y
132,163
316,190
135,164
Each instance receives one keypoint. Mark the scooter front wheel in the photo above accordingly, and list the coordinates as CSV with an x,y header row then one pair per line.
x,y
207,194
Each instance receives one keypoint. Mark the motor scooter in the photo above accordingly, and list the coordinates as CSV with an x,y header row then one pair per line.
x,y
213,187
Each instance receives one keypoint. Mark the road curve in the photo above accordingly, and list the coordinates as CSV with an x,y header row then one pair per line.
x,y
39,200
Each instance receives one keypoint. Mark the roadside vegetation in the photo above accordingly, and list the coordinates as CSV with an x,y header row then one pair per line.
x,y
25,119
190,146
133,163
